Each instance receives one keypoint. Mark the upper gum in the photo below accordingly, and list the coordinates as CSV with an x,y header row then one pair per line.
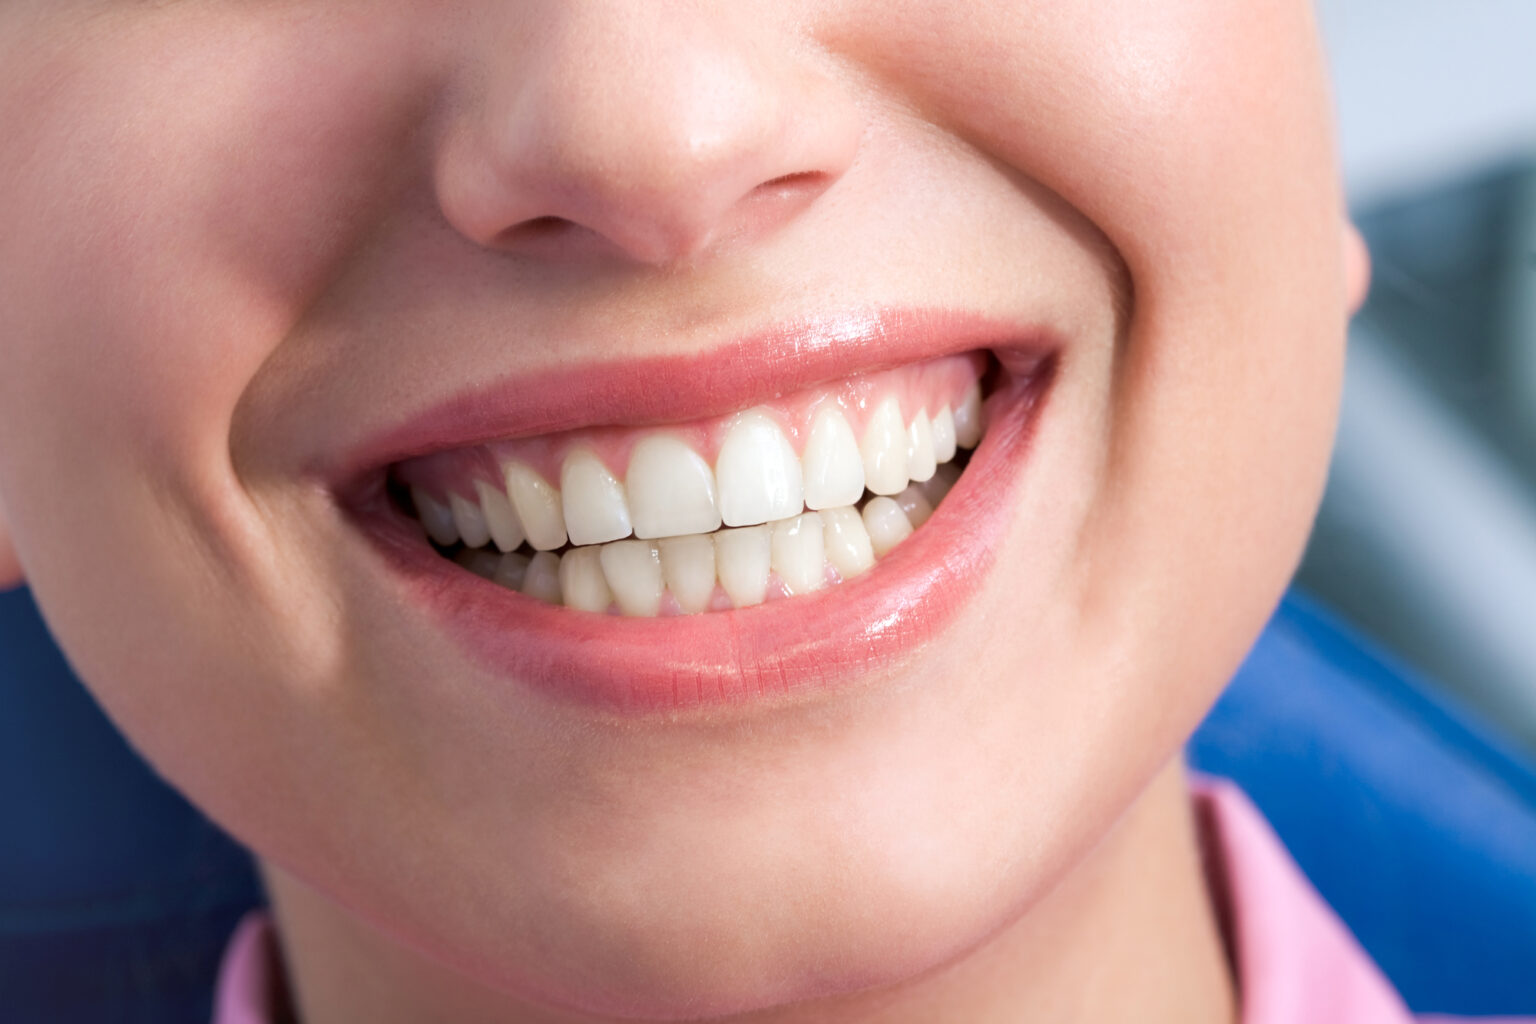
x,y
931,385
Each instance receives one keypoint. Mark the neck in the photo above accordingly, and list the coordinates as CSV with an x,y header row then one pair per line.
x,y
1129,934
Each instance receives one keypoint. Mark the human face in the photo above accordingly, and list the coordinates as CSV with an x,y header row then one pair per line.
x,y
259,257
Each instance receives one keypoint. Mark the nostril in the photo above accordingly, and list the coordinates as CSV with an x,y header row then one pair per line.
x,y
535,228
807,183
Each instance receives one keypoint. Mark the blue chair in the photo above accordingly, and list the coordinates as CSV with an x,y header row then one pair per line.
x,y
116,896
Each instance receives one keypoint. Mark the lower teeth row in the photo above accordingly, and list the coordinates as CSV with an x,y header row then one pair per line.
x,y
730,568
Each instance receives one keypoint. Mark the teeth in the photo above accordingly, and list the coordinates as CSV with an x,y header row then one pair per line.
x,y
834,469
921,459
758,473
760,512
671,490
582,583
500,518
742,560
511,570
470,521
542,578
595,509
968,418
847,542
884,449
887,525
943,479
688,565
537,505
633,568
481,563
944,436
436,517
799,554
915,506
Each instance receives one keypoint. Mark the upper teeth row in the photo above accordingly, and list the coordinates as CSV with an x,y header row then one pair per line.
x,y
669,490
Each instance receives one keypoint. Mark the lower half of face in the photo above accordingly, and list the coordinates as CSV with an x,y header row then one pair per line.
x,y
575,526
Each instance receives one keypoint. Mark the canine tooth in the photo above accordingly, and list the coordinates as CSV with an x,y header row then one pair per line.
x,y
500,517
915,505
757,472
481,563
688,566
470,521
939,486
582,584
968,418
887,524
847,542
633,568
435,516
798,553
542,579
832,466
921,456
511,570
742,560
944,436
537,504
595,508
671,490
884,449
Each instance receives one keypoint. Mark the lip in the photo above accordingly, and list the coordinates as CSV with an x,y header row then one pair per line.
x,y
783,649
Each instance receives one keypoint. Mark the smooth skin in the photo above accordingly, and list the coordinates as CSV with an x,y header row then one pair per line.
x,y
240,236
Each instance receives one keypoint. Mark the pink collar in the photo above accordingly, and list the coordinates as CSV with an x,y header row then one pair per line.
x,y
1295,961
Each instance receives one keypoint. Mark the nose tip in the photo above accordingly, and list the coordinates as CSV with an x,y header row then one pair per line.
x,y
659,138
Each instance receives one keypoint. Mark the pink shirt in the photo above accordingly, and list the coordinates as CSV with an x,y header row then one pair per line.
x,y
1295,961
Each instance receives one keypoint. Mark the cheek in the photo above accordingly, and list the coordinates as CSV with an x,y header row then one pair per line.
x,y
1196,136
178,184
177,188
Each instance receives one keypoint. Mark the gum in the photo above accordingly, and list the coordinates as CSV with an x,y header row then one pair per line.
x,y
929,385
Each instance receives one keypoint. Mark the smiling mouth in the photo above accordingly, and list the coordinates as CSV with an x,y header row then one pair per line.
x,y
771,517
779,500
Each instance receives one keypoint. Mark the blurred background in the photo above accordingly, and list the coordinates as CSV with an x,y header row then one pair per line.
x,y
1427,537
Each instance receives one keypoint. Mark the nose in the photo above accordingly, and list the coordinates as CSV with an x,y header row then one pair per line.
x,y
653,128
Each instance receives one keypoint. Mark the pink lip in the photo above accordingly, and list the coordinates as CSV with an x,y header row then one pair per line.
x,y
784,647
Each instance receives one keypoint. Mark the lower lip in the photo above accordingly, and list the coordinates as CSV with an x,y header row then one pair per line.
x,y
786,649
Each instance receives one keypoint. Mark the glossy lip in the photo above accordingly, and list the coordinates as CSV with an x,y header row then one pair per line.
x,y
780,650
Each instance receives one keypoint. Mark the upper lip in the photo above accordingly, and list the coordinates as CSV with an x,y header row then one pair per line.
x,y
734,375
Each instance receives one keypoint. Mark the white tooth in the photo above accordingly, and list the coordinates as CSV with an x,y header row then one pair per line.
x,y
799,555
542,578
688,564
915,505
944,436
469,520
943,479
481,563
582,584
435,516
968,418
511,570
671,490
921,457
887,524
742,560
537,504
884,449
847,542
595,509
758,473
834,470
500,517
633,568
